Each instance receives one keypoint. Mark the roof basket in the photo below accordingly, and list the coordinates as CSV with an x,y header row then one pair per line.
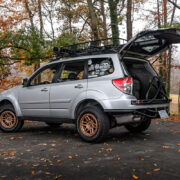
x,y
90,47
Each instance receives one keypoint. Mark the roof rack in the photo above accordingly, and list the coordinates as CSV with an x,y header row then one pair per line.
x,y
90,48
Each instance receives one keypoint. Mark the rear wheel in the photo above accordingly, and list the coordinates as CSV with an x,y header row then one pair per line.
x,y
93,124
138,127
9,122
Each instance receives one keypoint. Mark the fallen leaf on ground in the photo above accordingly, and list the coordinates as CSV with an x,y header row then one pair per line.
x,y
109,149
141,158
4,153
59,139
35,165
28,150
134,176
57,177
13,153
20,138
158,169
58,161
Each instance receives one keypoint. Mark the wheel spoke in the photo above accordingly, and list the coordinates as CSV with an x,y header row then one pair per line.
x,y
89,124
8,119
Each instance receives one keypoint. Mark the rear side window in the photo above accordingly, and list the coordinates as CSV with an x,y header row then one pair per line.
x,y
72,71
98,67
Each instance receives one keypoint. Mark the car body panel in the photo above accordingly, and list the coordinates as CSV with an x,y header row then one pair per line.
x,y
63,95
34,100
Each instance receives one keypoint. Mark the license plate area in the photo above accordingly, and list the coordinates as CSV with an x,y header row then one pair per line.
x,y
163,114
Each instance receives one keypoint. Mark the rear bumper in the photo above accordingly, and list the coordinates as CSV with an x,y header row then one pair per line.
x,y
147,112
128,103
146,102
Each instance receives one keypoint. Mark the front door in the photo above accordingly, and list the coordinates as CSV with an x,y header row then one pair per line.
x,y
34,99
71,86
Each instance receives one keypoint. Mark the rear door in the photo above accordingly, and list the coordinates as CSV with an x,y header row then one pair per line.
x,y
149,43
71,86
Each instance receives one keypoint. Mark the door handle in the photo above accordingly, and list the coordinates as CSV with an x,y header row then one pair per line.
x,y
44,90
79,86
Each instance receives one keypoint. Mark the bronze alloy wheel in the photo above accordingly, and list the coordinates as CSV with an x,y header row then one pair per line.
x,y
89,125
8,119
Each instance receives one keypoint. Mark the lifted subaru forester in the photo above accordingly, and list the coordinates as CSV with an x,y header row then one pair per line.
x,y
97,87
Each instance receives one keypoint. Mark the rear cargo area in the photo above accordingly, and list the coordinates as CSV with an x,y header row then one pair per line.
x,y
143,74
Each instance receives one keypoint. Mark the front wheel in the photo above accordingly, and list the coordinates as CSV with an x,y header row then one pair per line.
x,y
139,126
93,124
9,122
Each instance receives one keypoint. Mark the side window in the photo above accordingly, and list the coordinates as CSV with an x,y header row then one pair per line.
x,y
46,76
100,67
72,71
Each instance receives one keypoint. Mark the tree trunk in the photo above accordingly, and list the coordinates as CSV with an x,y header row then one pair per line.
x,y
104,21
165,53
40,17
94,23
29,13
129,19
159,26
173,13
114,20
170,57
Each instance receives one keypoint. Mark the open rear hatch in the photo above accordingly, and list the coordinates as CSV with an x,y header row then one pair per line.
x,y
149,43
147,86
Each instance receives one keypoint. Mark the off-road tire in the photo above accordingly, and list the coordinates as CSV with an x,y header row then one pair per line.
x,y
54,124
100,121
9,112
138,127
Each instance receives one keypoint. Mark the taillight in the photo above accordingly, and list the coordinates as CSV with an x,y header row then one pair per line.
x,y
124,84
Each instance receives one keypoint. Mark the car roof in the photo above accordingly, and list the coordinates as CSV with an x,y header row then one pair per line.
x,y
83,58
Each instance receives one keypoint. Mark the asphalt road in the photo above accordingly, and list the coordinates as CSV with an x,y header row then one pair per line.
x,y
41,152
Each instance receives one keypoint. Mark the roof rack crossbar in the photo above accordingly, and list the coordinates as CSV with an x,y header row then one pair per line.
x,y
90,47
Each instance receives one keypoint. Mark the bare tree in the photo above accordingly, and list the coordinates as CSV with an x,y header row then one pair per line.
x,y
174,3
129,19
104,20
94,23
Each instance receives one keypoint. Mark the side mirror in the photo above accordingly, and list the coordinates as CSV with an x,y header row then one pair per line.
x,y
25,82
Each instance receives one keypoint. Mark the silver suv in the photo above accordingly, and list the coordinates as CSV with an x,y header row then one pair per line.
x,y
97,88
